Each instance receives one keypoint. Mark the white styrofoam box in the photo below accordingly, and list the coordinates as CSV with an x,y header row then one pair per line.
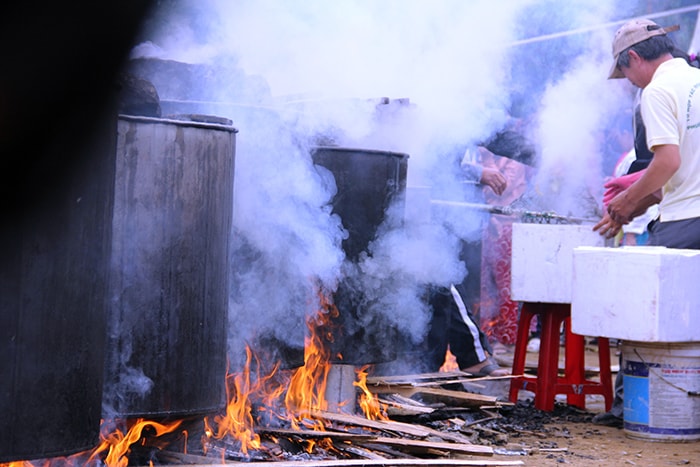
x,y
638,293
542,256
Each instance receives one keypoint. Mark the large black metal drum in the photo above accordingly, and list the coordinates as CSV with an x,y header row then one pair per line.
x,y
368,182
54,265
167,322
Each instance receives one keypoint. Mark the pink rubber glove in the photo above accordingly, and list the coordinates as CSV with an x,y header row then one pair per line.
x,y
617,185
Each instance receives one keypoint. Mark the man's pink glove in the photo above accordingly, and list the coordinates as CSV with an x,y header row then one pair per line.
x,y
617,185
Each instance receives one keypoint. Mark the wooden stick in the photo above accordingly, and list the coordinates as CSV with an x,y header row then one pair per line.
x,y
413,378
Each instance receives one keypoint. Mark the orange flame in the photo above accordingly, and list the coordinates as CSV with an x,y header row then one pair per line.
x,y
307,387
305,395
373,409
117,444
238,420
450,363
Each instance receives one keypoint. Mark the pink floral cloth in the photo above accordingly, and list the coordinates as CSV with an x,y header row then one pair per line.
x,y
498,313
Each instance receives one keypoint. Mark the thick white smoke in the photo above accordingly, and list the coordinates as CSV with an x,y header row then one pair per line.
x,y
572,120
423,78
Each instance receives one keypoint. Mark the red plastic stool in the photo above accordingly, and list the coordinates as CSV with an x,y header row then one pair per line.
x,y
548,383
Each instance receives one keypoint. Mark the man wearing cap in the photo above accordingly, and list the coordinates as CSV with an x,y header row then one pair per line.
x,y
670,109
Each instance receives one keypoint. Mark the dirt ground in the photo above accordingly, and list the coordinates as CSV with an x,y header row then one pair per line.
x,y
568,437
585,444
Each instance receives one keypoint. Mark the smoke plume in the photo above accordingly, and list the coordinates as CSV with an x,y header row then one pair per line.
x,y
425,79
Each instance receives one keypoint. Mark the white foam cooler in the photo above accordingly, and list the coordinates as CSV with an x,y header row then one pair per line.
x,y
542,260
638,293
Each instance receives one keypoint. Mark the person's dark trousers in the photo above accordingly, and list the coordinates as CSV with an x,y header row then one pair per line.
x,y
676,234
455,328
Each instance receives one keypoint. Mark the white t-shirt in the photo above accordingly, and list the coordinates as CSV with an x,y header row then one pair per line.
x,y
671,112
638,225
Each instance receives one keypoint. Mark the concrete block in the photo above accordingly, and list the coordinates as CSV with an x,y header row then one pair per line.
x,y
637,293
542,256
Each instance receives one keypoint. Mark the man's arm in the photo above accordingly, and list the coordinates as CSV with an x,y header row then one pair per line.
x,y
489,176
494,179
617,185
647,190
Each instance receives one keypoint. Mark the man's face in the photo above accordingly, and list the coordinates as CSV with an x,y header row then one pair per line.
x,y
632,75
636,72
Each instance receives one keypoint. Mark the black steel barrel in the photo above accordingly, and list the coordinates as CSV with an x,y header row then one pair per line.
x,y
54,266
167,321
368,182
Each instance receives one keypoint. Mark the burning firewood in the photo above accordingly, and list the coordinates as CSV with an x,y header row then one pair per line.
x,y
385,426
413,430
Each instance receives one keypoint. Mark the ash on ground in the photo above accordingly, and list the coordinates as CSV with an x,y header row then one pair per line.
x,y
503,426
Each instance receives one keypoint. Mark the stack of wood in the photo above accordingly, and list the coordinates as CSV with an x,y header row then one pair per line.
x,y
405,439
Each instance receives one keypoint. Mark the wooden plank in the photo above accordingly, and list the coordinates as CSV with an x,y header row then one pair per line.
x,y
461,398
390,452
418,431
376,463
432,379
399,405
358,451
338,435
171,457
470,380
421,446
451,436
406,428
394,410
409,401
